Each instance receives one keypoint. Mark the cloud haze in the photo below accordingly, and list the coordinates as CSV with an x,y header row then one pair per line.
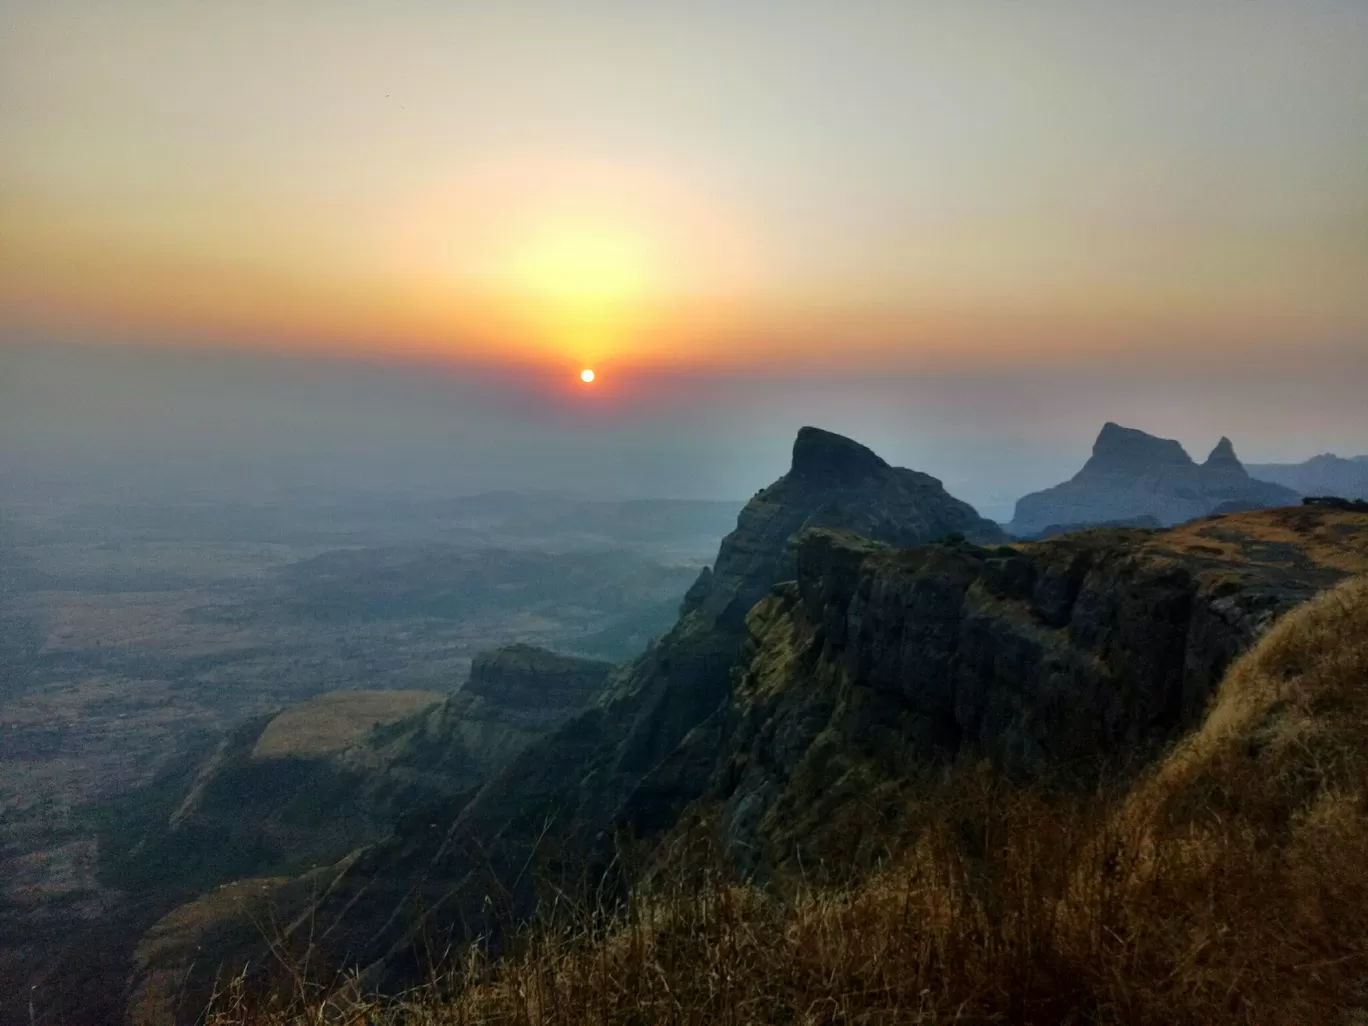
x,y
153,421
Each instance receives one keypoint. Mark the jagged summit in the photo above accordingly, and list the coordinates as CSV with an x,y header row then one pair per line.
x,y
833,482
1132,474
1128,450
1224,453
824,457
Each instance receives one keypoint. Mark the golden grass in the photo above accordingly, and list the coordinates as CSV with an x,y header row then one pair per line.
x,y
1335,539
335,720
1230,885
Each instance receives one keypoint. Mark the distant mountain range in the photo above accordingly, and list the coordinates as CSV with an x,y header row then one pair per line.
x,y
1325,474
1133,475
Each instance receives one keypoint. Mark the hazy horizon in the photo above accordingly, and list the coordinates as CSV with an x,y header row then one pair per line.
x,y
258,426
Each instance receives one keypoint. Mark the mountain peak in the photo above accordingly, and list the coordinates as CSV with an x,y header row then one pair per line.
x,y
827,457
1223,453
1131,450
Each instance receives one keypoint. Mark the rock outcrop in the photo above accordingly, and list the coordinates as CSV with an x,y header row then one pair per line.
x,y
1132,474
515,695
1326,474
878,667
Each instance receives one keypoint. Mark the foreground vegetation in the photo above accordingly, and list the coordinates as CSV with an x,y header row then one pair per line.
x,y
1227,885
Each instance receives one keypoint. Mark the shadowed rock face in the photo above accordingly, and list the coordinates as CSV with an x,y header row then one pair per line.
x,y
1132,474
832,482
829,460
877,666
569,791
530,679
515,695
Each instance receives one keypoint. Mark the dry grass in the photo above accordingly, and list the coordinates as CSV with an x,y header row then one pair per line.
x,y
335,720
1229,886
1335,539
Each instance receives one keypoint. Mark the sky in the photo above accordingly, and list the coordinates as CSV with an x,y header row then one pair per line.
x,y
966,233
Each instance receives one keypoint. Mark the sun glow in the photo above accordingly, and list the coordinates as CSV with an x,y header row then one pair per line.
x,y
583,286
583,265
563,262
587,376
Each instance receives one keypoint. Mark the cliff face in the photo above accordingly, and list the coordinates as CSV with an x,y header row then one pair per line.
x,y
876,666
1132,474
515,695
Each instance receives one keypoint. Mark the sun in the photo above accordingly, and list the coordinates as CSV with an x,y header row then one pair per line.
x,y
587,376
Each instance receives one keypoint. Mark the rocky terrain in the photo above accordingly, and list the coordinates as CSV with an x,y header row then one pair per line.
x,y
859,632
1132,474
877,666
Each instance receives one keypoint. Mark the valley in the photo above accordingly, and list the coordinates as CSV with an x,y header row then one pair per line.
x,y
133,634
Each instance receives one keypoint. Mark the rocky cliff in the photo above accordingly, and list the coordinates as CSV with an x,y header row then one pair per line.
x,y
877,667
515,695
1132,474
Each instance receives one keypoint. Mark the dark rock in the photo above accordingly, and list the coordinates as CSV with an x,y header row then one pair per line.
x,y
881,666
825,459
245,815
1130,451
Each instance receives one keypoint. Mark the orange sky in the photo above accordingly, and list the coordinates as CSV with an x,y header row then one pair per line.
x,y
617,186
